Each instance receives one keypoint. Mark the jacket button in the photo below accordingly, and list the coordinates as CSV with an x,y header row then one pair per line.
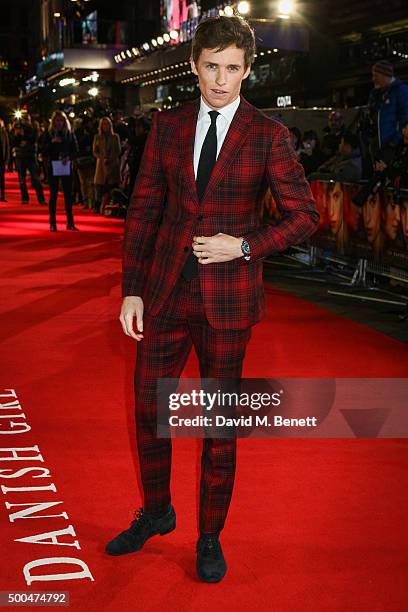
x,y
186,249
200,217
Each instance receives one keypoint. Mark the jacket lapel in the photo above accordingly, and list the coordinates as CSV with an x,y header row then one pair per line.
x,y
235,138
188,129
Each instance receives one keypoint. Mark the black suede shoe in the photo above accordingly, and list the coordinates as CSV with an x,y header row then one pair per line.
x,y
72,227
143,527
211,566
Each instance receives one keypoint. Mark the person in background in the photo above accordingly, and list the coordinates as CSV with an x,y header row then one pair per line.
x,y
61,149
119,126
106,149
345,166
42,162
86,161
25,153
10,132
333,133
310,155
388,107
138,131
4,157
397,168
36,127
77,196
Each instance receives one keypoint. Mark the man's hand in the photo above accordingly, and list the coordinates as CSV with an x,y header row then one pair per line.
x,y
132,306
218,248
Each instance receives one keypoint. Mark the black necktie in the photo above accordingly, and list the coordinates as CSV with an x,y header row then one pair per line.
x,y
206,164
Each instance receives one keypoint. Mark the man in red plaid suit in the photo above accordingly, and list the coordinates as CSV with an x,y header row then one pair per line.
x,y
192,264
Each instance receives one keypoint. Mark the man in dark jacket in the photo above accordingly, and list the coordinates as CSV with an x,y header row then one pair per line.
x,y
25,150
333,133
388,105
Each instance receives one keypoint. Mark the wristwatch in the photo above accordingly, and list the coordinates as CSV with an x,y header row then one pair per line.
x,y
246,249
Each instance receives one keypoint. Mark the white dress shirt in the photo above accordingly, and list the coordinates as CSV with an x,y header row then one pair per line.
x,y
204,121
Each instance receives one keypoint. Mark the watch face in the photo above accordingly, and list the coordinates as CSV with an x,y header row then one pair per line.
x,y
245,247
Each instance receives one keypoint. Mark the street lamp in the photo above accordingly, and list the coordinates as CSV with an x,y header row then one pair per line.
x,y
65,82
243,8
93,91
286,8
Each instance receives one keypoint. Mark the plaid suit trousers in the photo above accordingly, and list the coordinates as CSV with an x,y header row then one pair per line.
x,y
163,352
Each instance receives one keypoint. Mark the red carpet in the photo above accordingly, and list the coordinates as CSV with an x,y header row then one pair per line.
x,y
316,525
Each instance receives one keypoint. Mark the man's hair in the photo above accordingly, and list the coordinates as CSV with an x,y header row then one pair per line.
x,y
222,32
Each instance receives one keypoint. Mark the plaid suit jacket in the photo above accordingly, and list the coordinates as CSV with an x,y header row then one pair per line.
x,y
164,213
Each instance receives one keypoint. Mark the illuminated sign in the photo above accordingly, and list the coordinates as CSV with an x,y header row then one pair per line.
x,y
283,101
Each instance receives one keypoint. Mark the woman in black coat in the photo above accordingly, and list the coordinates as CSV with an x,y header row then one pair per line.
x,y
61,149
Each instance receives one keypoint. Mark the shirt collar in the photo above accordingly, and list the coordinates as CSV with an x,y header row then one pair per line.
x,y
227,111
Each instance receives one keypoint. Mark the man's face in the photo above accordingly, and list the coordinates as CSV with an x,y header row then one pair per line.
x,y
372,216
404,220
220,74
391,217
335,207
380,80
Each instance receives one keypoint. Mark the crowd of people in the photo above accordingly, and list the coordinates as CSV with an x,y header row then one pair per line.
x,y
95,155
87,159
335,156
359,173
375,144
